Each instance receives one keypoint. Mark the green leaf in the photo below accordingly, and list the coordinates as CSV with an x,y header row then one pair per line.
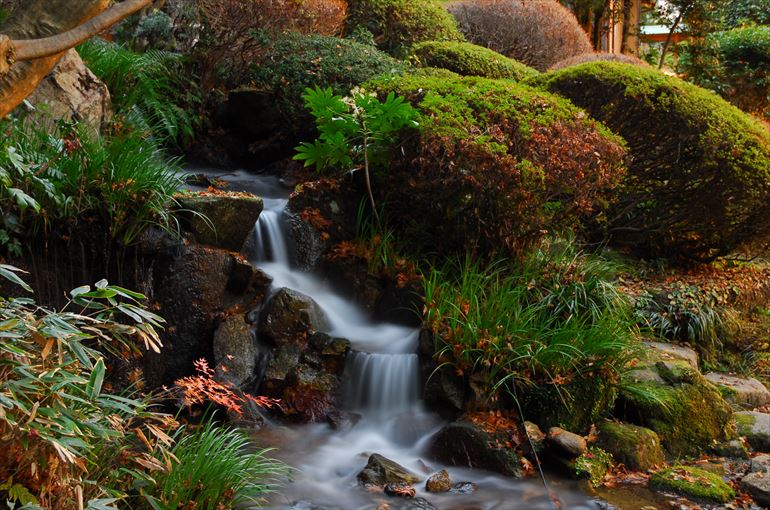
x,y
94,386
23,201
9,273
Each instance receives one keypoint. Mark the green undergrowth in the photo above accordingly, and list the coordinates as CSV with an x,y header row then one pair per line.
x,y
468,59
551,328
594,465
693,482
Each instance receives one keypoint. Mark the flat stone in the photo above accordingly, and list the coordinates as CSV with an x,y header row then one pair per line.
x,y
232,217
760,464
756,427
734,449
673,351
744,392
758,485
381,470
439,482
567,443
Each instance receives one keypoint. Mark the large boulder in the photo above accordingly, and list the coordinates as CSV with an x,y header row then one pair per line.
x,y
758,485
755,426
465,443
223,220
745,392
235,352
638,448
72,92
698,185
289,316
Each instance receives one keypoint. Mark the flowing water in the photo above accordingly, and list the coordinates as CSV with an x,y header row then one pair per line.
x,y
381,384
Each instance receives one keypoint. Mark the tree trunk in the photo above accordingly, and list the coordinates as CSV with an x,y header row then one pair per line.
x,y
39,19
670,37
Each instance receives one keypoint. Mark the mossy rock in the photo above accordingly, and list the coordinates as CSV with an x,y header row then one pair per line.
x,y
638,448
469,59
755,427
594,465
398,24
693,482
478,134
223,220
699,181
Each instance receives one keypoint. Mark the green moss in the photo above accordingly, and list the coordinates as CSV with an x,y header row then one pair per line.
x,y
638,448
745,422
398,24
593,465
469,60
699,181
693,482
574,407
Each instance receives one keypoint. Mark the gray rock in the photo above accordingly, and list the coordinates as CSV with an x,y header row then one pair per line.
x,y
235,352
283,362
380,471
756,427
232,217
760,464
289,315
439,482
734,449
464,488
566,443
758,485
307,242
462,443
400,490
744,392
72,91
674,352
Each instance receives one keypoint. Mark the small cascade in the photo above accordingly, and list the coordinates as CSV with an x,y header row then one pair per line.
x,y
382,384
270,245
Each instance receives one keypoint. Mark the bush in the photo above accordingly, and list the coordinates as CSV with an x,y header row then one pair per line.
x,y
699,180
293,62
545,160
551,330
468,59
736,65
595,57
736,13
398,24
538,33
53,181
148,90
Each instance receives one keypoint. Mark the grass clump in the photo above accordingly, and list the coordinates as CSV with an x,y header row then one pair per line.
x,y
699,181
468,59
149,90
398,24
551,329
594,465
478,134
693,482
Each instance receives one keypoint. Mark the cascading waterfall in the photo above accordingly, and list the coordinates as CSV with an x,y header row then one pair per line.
x,y
381,384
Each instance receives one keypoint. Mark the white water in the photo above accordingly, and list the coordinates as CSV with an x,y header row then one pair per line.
x,y
382,384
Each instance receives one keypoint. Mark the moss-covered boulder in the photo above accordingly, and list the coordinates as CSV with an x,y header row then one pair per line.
x,y
638,448
673,399
469,59
546,161
699,181
693,482
223,220
755,427
398,24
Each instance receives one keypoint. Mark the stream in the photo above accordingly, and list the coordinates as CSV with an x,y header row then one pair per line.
x,y
381,383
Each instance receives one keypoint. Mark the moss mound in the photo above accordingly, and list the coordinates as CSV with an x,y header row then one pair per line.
x,y
693,482
699,181
477,135
398,24
597,57
469,60
638,448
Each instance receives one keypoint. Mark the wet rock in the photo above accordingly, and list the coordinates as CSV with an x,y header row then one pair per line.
x,y
308,243
232,216
734,449
400,490
566,443
311,394
289,315
464,488
235,352
439,482
284,361
463,443
380,471
756,427
72,92
758,485
342,420
760,464
419,504
638,448
744,392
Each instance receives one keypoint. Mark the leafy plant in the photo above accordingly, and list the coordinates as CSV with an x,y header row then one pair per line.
x,y
357,131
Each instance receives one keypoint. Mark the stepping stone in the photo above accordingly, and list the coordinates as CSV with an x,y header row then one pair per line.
x,y
758,485
760,464
743,392
674,352
756,427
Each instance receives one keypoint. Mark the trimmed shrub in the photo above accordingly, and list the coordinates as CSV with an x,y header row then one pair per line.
x,y
495,164
398,24
596,57
736,65
468,60
538,33
699,180
293,62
